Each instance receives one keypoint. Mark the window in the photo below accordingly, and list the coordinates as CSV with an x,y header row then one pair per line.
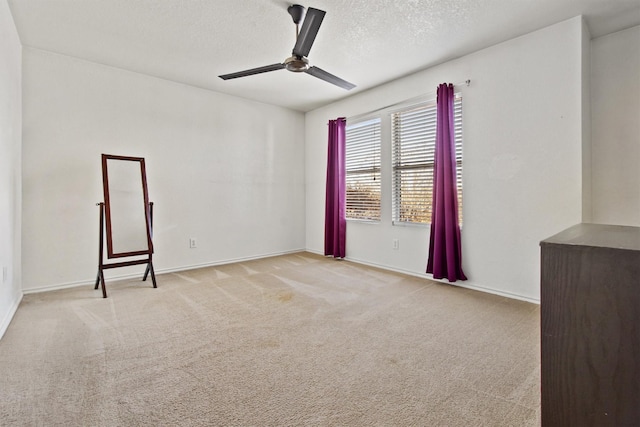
x,y
413,145
363,170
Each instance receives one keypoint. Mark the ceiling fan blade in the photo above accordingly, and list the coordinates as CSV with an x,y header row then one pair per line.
x,y
328,77
308,32
265,69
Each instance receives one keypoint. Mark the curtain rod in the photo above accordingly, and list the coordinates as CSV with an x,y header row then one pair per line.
x,y
406,101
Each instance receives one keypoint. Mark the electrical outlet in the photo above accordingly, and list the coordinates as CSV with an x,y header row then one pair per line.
x,y
192,243
396,244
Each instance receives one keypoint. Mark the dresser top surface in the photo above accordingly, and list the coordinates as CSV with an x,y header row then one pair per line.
x,y
598,235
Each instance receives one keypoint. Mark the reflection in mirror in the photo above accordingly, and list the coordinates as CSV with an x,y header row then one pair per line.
x,y
127,206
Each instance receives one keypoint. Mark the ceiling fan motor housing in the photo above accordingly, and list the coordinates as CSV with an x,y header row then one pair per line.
x,y
296,64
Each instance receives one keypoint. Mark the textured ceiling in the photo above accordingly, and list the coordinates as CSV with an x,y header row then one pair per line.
x,y
367,42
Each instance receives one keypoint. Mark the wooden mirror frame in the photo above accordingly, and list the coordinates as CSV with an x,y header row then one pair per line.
x,y
109,212
106,210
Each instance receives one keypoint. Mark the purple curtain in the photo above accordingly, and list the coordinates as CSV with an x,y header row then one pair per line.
x,y
445,251
335,221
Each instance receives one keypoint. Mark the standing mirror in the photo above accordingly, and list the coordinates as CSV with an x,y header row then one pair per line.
x,y
126,215
126,206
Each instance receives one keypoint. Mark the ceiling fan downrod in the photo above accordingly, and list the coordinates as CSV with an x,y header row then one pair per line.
x,y
297,14
296,63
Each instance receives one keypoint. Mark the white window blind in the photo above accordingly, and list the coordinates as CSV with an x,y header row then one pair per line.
x,y
413,147
363,170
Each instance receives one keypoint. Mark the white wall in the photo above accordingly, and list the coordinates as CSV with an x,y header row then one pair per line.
x,y
615,100
10,178
227,171
526,133
522,126
587,176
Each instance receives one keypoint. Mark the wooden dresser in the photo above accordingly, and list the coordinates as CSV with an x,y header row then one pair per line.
x,y
590,327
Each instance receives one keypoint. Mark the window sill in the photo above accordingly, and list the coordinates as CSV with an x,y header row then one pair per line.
x,y
363,221
411,224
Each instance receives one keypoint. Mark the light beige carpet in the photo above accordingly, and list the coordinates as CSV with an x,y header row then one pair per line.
x,y
290,340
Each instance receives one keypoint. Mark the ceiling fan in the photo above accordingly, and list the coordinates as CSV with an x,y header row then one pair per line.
x,y
298,62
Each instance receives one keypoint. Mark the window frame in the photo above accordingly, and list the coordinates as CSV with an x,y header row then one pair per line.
x,y
359,167
417,163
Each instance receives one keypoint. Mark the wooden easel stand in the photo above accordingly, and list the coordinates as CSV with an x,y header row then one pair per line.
x,y
103,266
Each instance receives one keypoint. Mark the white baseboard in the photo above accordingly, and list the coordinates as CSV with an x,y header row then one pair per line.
x,y
92,282
226,261
4,325
267,255
430,277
